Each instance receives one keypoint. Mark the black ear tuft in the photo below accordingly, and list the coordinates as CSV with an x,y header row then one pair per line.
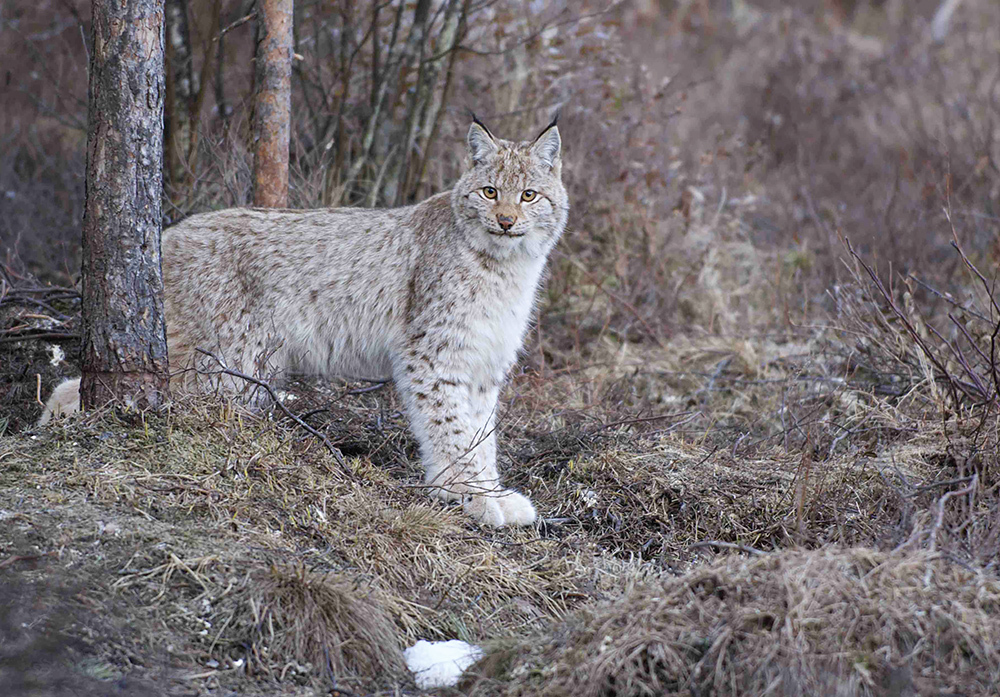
x,y
548,145
475,120
482,144
555,121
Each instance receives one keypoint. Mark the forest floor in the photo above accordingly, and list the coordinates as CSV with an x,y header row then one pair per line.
x,y
774,516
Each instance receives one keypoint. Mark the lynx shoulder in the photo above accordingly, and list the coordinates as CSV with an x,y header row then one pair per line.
x,y
437,296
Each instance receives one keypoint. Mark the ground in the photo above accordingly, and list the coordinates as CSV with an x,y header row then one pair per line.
x,y
208,549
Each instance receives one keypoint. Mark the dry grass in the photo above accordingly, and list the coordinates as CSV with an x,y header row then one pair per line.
x,y
830,621
209,508
254,562
256,558
314,622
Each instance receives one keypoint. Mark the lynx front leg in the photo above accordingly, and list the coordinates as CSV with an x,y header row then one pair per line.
x,y
453,421
516,508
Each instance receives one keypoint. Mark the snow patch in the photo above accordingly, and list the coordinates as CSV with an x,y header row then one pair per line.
x,y
58,355
440,663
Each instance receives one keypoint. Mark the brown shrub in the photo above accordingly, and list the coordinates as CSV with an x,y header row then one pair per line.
x,y
323,623
829,621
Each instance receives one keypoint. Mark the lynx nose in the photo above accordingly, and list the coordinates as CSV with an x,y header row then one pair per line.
x,y
506,221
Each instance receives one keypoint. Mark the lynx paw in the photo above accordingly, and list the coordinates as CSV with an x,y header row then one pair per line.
x,y
485,509
505,507
517,508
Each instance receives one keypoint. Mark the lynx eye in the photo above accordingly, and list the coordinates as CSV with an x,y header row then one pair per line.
x,y
529,195
489,192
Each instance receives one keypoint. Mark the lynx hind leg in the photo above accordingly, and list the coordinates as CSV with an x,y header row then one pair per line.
x,y
65,400
204,365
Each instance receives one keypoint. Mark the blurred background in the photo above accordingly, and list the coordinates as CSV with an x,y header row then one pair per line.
x,y
796,122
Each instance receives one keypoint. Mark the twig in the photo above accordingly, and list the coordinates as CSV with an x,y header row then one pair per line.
x,y
951,301
621,301
728,545
376,385
972,267
533,35
29,335
228,28
337,455
928,487
13,559
955,384
647,419
942,501
705,459
86,51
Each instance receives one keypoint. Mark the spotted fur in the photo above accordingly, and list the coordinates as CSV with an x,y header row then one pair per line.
x,y
437,295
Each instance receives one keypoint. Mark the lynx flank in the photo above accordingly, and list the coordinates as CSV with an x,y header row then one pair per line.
x,y
437,295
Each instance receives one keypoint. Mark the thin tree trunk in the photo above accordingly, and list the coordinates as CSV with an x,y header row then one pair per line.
x,y
376,49
180,96
124,336
220,89
273,103
207,74
331,189
345,82
387,78
414,48
450,37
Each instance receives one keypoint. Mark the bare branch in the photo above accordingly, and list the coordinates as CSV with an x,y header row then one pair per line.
x,y
728,545
337,455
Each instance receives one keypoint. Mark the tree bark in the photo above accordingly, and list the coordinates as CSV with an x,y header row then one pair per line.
x,y
433,100
413,49
124,335
273,103
180,95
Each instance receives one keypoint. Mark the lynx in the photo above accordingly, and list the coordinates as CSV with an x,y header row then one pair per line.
x,y
437,295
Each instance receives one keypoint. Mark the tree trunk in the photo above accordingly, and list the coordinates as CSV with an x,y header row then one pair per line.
x,y
124,336
273,103
413,50
220,89
180,95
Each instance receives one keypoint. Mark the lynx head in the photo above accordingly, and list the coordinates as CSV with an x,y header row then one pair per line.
x,y
511,200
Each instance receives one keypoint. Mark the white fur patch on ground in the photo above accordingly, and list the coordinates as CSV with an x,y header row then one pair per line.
x,y
440,663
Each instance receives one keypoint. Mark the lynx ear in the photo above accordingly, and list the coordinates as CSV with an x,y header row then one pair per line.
x,y
548,145
481,142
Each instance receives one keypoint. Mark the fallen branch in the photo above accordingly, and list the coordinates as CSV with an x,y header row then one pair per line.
x,y
32,334
728,545
9,561
337,455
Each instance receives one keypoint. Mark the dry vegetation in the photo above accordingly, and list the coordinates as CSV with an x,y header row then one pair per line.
x,y
832,622
766,457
